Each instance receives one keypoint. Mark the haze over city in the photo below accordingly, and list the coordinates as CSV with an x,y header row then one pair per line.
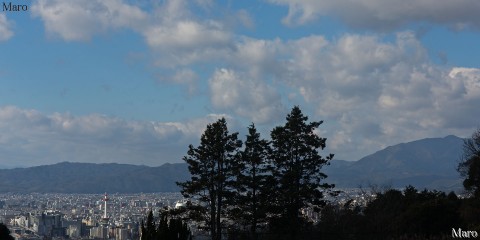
x,y
137,81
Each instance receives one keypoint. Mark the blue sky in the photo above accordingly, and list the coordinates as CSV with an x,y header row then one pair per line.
x,y
137,81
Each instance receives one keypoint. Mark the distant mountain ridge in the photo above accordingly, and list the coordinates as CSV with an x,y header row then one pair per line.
x,y
69,177
427,163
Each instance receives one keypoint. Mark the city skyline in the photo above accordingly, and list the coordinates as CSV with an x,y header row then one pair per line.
x,y
79,216
137,82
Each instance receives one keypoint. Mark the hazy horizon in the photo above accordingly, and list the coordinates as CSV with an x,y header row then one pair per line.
x,y
93,162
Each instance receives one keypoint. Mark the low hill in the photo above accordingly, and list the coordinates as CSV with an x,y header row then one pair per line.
x,y
69,177
427,163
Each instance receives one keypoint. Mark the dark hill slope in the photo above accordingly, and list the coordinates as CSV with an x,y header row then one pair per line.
x,y
93,178
427,163
424,163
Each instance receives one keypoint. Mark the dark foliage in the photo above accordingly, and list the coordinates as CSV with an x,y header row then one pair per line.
x,y
252,199
393,214
469,167
296,168
266,184
149,230
262,191
213,167
5,232
165,228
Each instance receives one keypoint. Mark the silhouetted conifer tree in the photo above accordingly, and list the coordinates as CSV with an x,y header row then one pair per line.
x,y
149,230
296,167
213,166
252,200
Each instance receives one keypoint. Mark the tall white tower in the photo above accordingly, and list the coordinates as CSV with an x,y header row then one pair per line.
x,y
105,217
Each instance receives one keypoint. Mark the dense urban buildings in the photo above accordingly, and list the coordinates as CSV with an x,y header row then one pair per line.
x,y
83,216
79,216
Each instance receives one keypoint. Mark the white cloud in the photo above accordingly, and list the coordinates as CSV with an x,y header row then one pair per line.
x,y
5,28
30,137
458,97
187,35
244,96
186,42
245,19
372,92
81,19
187,77
178,37
379,92
385,14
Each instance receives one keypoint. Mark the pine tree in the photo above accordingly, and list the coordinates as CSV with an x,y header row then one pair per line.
x,y
251,204
296,166
143,236
149,230
213,166
163,231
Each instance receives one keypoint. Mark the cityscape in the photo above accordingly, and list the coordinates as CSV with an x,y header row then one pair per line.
x,y
38,216
79,216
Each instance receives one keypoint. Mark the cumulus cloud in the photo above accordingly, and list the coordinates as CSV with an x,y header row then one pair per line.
x,y
385,15
5,28
371,91
457,99
178,37
255,100
186,35
81,19
30,137
185,42
379,92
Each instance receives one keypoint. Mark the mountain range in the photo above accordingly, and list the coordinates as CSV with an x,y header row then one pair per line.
x,y
69,177
427,163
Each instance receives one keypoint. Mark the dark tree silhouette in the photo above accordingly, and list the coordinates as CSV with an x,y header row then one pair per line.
x,y
149,231
5,233
392,214
251,202
172,228
213,166
469,166
168,228
296,167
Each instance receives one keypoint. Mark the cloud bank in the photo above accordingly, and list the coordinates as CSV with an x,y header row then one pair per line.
x,y
385,14
30,137
372,90
80,20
